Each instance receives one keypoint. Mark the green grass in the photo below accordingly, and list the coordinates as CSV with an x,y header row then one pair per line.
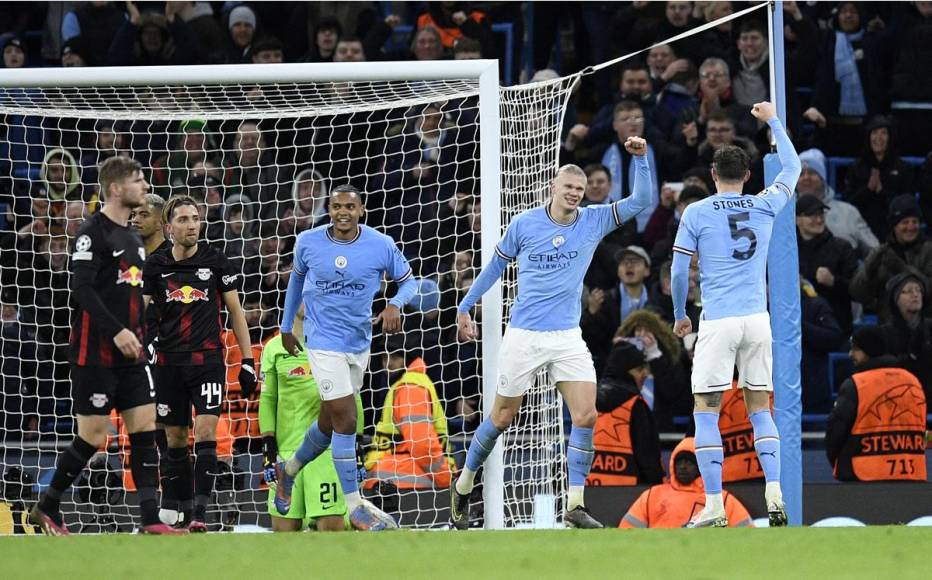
x,y
801,553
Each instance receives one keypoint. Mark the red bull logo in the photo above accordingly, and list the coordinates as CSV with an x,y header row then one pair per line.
x,y
301,371
131,276
185,295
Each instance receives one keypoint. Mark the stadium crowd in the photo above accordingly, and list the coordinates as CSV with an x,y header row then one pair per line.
x,y
864,196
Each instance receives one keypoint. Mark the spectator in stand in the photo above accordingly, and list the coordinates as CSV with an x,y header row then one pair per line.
x,y
59,177
827,262
910,83
72,52
453,21
349,49
663,64
241,240
51,277
850,79
661,295
720,130
906,247
14,53
878,175
626,444
720,41
607,309
310,193
659,224
750,73
20,370
98,23
843,219
667,388
242,31
716,94
679,94
634,85
673,504
821,334
427,44
267,50
200,18
909,332
663,248
598,185
189,145
74,214
628,121
352,18
325,36
250,173
467,48
801,39
877,399
151,39
677,19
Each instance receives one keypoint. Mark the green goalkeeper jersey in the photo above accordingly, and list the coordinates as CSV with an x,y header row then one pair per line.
x,y
289,401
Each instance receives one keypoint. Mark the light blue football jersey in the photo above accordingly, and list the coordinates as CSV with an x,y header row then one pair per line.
x,y
340,281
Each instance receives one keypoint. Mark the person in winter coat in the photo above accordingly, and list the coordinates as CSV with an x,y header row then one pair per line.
x,y
673,504
909,332
843,219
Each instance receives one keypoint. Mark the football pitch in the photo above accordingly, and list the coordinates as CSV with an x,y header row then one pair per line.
x,y
872,552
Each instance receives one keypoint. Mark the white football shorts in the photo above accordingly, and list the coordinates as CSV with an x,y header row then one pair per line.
x,y
744,341
562,353
338,374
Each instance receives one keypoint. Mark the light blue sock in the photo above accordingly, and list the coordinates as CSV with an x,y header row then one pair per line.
x,y
314,443
709,452
579,455
481,445
344,460
767,444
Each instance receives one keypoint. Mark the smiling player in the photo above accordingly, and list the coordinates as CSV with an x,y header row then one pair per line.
x,y
553,245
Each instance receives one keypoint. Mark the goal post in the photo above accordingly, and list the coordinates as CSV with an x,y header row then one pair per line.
x,y
505,144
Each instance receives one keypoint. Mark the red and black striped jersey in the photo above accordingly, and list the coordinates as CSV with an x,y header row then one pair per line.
x,y
106,283
187,294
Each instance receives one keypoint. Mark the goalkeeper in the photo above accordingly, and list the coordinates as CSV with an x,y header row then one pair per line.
x,y
288,404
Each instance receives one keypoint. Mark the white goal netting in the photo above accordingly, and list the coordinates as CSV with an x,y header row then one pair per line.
x,y
261,159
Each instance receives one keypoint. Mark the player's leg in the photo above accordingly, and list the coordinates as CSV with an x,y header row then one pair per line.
x,y
207,397
572,369
93,391
756,379
136,403
174,412
518,363
713,369
293,521
170,506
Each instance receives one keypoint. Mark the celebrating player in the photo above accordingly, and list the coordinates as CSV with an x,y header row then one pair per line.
x,y
338,269
187,283
731,234
553,245
288,405
108,365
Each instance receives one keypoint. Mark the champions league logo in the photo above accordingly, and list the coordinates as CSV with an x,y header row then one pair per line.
x,y
558,241
340,262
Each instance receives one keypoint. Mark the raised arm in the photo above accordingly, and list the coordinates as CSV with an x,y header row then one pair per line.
x,y
791,167
639,200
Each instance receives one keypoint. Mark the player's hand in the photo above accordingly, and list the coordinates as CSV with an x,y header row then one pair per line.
x,y
269,458
291,344
129,345
764,111
824,276
466,327
636,146
247,377
682,327
390,319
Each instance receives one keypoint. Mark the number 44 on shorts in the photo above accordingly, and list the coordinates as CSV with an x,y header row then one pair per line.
x,y
213,394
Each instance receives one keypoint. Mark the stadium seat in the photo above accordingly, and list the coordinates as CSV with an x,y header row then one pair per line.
x,y
840,367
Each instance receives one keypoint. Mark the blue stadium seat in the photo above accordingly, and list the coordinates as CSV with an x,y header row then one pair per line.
x,y
840,367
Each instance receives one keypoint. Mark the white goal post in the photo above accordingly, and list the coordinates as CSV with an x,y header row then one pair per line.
x,y
517,144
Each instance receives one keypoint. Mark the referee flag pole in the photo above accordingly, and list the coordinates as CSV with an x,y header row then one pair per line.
x,y
783,278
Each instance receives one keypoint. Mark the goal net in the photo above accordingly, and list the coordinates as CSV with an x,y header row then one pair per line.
x,y
260,148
